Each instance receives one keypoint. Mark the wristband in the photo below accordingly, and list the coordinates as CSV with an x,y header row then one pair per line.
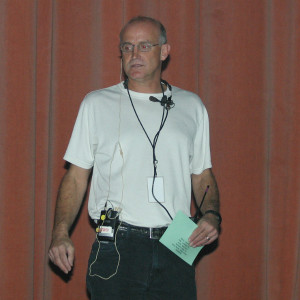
x,y
216,214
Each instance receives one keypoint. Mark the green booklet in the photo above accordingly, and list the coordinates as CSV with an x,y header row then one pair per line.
x,y
176,238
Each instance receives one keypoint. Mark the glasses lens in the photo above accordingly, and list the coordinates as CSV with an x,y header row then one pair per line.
x,y
126,47
144,47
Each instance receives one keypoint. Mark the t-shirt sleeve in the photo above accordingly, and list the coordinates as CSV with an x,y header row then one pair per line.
x,y
201,158
80,148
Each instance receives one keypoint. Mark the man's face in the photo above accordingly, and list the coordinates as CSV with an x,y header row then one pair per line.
x,y
140,66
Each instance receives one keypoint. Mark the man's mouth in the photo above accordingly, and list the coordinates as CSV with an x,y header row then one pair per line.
x,y
136,65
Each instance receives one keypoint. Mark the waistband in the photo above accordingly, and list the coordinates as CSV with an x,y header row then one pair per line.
x,y
149,232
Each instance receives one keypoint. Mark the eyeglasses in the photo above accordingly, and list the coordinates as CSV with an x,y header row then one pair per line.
x,y
142,46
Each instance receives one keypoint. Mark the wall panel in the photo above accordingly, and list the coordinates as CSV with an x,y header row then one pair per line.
x,y
242,58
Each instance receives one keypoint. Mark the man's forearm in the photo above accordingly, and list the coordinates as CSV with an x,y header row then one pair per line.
x,y
70,196
68,203
200,183
209,225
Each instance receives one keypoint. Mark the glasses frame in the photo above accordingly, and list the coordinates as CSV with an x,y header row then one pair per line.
x,y
138,47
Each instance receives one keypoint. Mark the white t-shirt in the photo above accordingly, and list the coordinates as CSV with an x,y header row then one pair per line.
x,y
108,137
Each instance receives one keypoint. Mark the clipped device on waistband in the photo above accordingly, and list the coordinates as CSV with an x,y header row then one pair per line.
x,y
107,225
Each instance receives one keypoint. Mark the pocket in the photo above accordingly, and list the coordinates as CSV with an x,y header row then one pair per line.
x,y
104,259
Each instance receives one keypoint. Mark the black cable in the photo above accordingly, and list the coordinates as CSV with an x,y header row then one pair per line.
x,y
155,139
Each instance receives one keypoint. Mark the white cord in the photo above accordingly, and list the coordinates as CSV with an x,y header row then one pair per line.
x,y
108,193
119,258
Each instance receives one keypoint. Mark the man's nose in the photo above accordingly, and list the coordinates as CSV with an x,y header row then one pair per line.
x,y
135,52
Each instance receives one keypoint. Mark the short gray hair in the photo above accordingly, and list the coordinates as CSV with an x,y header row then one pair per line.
x,y
138,19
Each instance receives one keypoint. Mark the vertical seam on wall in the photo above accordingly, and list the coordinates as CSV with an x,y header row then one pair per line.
x,y
296,283
35,137
207,44
50,138
297,259
268,98
123,13
3,59
289,79
291,83
198,45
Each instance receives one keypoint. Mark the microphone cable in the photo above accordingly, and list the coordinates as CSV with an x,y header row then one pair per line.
x,y
153,144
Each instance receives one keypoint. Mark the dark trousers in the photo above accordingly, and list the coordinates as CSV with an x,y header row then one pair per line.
x,y
147,270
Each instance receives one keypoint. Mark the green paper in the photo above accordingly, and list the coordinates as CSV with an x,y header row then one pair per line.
x,y
176,238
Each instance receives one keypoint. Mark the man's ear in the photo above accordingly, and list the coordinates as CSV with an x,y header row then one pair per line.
x,y
165,50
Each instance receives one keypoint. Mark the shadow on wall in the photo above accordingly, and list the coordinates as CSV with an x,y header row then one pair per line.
x,y
206,251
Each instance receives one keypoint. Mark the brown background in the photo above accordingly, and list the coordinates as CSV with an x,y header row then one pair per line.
x,y
240,56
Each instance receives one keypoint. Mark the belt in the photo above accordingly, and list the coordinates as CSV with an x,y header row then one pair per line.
x,y
149,232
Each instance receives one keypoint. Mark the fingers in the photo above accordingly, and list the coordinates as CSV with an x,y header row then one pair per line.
x,y
204,234
71,256
62,255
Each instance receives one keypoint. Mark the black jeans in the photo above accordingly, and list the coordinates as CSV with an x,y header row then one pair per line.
x,y
147,270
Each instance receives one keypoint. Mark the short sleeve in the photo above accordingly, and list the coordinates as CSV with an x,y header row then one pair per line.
x,y
201,158
80,148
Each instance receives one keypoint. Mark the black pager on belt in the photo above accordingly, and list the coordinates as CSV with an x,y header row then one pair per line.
x,y
107,225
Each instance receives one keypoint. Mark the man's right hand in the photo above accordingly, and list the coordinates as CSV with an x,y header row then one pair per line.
x,y
61,253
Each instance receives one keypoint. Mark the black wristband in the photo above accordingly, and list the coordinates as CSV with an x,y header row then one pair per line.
x,y
215,213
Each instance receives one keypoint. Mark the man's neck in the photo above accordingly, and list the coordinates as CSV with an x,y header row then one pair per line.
x,y
142,87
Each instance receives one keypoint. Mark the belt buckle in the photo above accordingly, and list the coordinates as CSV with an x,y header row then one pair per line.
x,y
151,232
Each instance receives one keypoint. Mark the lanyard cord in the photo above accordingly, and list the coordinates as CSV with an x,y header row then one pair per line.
x,y
153,144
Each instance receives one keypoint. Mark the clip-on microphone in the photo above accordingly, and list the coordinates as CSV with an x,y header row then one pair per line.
x,y
166,102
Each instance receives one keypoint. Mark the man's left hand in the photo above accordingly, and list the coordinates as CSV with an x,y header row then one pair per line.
x,y
206,232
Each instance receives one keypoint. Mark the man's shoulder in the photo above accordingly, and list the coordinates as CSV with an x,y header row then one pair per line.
x,y
176,89
185,95
110,91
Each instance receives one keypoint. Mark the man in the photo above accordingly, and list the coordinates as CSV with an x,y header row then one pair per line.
x,y
148,145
